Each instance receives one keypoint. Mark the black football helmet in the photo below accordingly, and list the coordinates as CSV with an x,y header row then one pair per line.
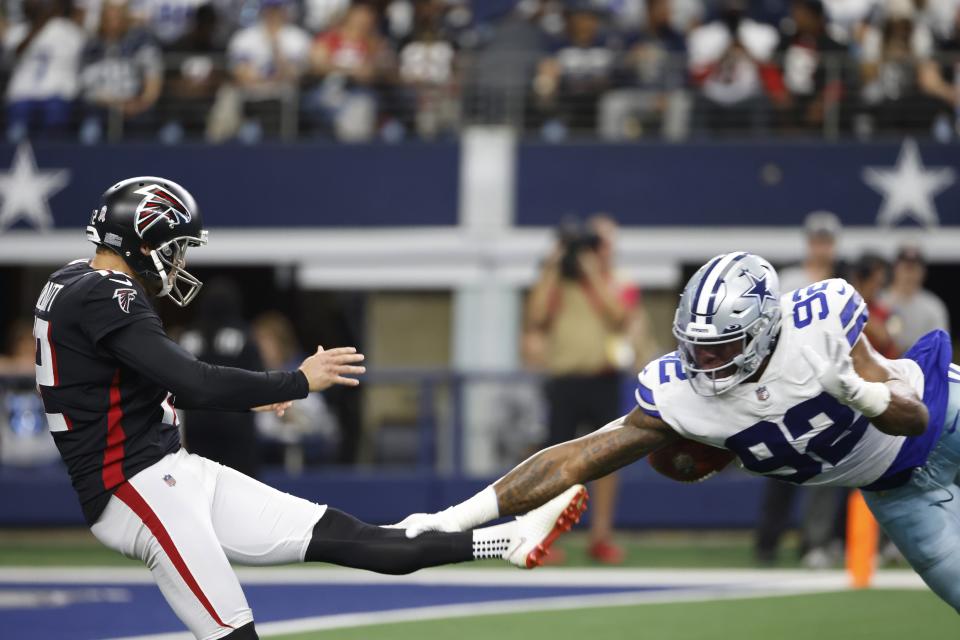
x,y
161,216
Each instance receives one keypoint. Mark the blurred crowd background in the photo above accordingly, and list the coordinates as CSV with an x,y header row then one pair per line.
x,y
253,70
398,142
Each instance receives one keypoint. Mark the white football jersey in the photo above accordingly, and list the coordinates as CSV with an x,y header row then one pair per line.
x,y
786,425
49,66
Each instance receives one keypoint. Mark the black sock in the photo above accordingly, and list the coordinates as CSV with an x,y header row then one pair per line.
x,y
341,539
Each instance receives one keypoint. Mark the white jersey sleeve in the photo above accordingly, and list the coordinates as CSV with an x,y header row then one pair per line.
x,y
829,306
653,393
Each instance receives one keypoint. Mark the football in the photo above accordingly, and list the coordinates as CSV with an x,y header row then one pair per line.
x,y
689,461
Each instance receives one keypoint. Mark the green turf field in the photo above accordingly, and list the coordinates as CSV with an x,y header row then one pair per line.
x,y
864,615
880,614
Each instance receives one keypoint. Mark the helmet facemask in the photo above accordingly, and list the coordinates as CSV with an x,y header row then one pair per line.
x,y
739,363
169,261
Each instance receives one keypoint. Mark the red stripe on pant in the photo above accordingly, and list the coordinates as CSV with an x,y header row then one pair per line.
x,y
113,454
129,496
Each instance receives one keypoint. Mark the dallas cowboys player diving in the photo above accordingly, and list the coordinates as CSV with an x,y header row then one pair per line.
x,y
110,378
792,386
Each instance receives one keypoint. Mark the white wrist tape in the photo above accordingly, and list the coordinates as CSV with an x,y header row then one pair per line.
x,y
871,399
477,510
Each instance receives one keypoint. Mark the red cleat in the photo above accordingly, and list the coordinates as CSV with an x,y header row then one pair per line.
x,y
542,526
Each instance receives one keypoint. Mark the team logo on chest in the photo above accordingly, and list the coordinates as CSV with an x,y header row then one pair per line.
x,y
763,394
170,480
124,297
158,205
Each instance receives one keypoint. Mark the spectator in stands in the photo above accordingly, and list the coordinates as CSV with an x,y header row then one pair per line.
x,y
350,61
322,15
427,64
45,55
221,337
916,311
195,78
654,67
167,20
122,76
496,83
940,16
266,62
629,16
903,89
847,19
869,277
814,84
584,312
731,61
309,420
579,70
819,533
822,230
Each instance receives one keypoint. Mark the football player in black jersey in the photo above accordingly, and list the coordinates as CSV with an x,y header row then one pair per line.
x,y
110,378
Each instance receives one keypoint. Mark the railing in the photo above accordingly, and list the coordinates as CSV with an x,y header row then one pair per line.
x,y
428,438
633,102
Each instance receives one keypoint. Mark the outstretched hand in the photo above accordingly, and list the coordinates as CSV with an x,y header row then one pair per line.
x,y
417,523
835,372
277,407
327,368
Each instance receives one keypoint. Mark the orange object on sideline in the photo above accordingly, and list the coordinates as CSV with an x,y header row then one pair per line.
x,y
863,535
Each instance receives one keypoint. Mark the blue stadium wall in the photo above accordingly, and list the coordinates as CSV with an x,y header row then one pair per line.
x,y
417,184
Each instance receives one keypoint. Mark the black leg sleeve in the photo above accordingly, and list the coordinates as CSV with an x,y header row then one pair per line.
x,y
341,539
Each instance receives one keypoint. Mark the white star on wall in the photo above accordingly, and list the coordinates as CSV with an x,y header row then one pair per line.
x,y
26,191
909,188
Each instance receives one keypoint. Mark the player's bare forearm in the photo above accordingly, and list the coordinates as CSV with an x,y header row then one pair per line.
x,y
906,415
549,472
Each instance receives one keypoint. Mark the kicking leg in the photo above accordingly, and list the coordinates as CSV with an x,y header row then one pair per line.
x,y
342,539
339,538
258,525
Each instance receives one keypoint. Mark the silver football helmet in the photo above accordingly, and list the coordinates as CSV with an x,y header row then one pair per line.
x,y
727,321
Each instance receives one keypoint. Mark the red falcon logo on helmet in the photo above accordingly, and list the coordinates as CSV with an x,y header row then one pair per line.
x,y
158,204
124,297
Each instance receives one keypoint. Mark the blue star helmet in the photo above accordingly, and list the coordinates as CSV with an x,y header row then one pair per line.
x,y
727,321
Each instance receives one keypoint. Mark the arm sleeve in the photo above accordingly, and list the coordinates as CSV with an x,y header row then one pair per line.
x,y
144,347
651,383
853,312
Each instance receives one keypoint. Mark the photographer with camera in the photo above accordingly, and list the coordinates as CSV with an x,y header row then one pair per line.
x,y
584,314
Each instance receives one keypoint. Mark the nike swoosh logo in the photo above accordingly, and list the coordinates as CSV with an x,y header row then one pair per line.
x,y
953,427
516,546
125,282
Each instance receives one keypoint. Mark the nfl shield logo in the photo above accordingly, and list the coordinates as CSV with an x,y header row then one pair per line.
x,y
169,479
763,394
